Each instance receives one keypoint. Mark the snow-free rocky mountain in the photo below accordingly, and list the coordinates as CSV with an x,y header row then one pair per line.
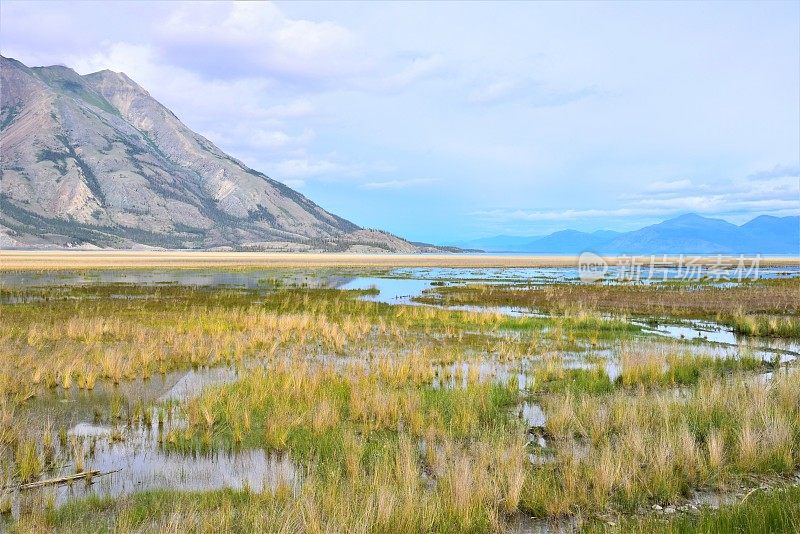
x,y
687,234
94,160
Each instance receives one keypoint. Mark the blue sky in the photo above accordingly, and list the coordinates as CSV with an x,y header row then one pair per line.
x,y
442,122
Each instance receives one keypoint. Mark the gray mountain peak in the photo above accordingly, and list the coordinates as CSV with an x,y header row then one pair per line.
x,y
96,160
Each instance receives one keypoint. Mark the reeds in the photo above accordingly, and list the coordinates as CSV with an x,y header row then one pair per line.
x,y
764,325
653,366
771,304
647,446
399,417
28,461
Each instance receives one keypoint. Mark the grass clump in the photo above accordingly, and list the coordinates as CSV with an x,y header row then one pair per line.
x,y
592,381
628,449
653,367
375,456
764,325
311,410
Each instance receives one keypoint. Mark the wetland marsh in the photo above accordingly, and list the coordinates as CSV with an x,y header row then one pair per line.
x,y
370,398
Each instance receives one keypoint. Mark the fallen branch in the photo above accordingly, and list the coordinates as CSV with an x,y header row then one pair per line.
x,y
60,480
63,480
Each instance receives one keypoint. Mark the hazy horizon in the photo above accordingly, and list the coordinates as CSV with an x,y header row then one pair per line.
x,y
443,122
601,229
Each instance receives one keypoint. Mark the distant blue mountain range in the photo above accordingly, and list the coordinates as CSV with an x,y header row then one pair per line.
x,y
687,234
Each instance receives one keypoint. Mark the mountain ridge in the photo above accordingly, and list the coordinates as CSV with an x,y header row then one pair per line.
x,y
94,160
686,234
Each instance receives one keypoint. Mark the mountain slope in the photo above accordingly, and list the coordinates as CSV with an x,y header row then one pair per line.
x,y
687,234
774,233
96,160
566,241
504,243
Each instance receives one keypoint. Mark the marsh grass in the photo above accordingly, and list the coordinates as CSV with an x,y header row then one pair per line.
x,y
119,332
313,411
653,446
398,417
594,380
641,365
767,307
764,325
653,367
367,445
28,461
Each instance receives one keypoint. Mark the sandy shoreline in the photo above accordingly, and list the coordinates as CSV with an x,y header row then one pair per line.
x,y
55,260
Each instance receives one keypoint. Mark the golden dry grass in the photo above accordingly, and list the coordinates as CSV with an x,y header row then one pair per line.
x,y
54,260
388,411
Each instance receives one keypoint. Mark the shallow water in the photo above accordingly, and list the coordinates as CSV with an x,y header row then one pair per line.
x,y
251,279
700,330
710,332
132,458
55,408
390,290
717,499
139,462
403,291
332,277
191,384
532,414
549,275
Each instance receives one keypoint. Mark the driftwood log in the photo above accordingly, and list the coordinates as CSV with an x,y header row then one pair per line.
x,y
63,480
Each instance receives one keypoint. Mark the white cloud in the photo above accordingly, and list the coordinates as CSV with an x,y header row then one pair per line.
x,y
768,192
290,110
305,168
556,215
242,116
183,90
134,59
418,68
397,184
316,91
494,91
329,169
674,185
248,136
530,92
778,171
257,38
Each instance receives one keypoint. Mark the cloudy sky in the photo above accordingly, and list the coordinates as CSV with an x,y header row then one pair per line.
x,y
442,122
